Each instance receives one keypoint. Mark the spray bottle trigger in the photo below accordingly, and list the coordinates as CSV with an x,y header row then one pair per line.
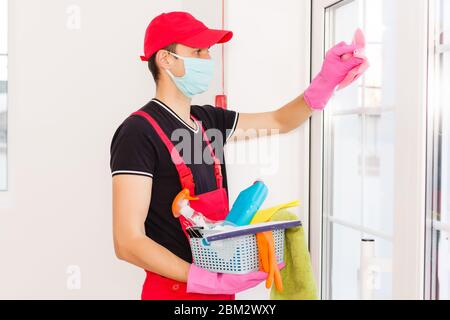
x,y
180,201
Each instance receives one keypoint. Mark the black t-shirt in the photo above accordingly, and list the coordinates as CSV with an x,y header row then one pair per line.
x,y
137,149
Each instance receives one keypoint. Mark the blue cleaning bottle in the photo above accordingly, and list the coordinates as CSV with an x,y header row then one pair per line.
x,y
247,204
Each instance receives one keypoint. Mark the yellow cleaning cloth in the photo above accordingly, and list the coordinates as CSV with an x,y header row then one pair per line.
x,y
266,214
297,275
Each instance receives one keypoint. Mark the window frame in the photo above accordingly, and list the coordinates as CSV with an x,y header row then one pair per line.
x,y
434,117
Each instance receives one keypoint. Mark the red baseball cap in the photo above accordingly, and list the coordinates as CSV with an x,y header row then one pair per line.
x,y
180,27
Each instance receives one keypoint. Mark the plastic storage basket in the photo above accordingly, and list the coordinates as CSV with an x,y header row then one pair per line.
x,y
237,255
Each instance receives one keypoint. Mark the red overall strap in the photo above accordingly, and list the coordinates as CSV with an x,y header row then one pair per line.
x,y
217,166
186,177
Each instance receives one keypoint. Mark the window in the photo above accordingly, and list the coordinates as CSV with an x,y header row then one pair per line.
x,y
3,92
440,145
368,166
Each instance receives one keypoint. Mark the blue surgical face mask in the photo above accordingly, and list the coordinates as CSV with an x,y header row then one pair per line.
x,y
198,75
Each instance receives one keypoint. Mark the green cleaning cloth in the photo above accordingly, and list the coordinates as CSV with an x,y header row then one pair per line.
x,y
297,275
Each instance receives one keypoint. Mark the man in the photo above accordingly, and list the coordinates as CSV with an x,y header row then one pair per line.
x,y
148,171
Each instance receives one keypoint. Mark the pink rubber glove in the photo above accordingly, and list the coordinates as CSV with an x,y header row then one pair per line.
x,y
360,41
206,282
334,71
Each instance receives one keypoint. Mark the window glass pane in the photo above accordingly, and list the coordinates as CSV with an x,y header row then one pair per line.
x,y
345,15
348,99
383,279
378,84
379,172
346,163
343,26
345,254
372,97
373,13
345,270
374,77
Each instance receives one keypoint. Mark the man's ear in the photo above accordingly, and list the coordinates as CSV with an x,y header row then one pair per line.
x,y
162,59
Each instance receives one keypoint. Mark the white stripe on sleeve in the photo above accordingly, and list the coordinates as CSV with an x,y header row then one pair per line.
x,y
132,172
233,129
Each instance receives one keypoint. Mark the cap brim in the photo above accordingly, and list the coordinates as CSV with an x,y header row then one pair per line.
x,y
208,38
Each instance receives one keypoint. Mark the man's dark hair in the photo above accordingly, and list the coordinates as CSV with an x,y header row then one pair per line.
x,y
152,61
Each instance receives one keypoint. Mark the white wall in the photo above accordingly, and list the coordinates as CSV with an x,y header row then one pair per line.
x,y
68,92
268,66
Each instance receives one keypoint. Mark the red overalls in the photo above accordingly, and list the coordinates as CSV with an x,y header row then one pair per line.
x,y
213,205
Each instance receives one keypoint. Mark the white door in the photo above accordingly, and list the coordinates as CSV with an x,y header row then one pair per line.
x,y
367,202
